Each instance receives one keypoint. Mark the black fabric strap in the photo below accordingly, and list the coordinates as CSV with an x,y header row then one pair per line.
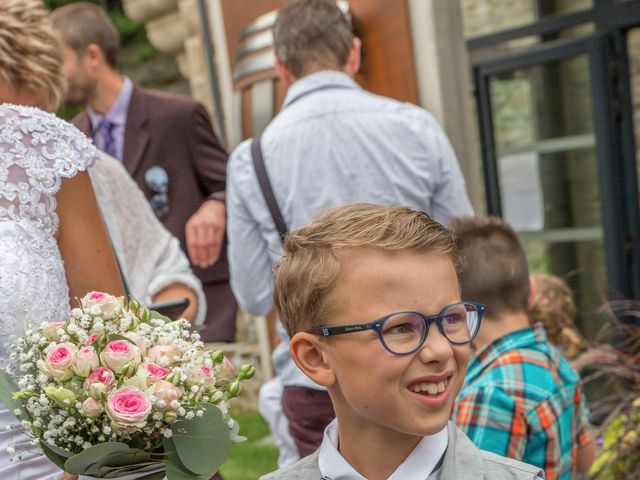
x,y
265,186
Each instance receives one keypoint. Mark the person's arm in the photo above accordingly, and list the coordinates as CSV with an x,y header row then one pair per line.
x,y
587,448
155,267
206,227
83,241
250,264
450,199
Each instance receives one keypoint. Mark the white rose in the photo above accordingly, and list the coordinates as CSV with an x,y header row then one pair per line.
x,y
167,392
139,340
201,375
107,305
92,407
86,361
50,330
164,355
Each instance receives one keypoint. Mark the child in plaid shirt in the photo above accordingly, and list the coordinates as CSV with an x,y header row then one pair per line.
x,y
521,398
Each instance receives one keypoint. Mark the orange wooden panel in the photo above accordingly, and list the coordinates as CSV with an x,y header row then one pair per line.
x,y
388,66
238,14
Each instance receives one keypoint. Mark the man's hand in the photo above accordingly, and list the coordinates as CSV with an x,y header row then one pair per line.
x,y
68,476
204,233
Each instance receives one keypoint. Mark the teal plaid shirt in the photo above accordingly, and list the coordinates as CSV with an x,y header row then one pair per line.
x,y
521,399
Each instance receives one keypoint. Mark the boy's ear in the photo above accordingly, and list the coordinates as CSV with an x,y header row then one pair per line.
x,y
307,350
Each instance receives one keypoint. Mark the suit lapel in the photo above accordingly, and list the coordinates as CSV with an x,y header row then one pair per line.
x,y
136,133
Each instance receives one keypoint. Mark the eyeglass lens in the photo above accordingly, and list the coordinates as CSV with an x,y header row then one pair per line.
x,y
404,332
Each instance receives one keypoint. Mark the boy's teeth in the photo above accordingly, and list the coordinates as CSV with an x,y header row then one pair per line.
x,y
429,387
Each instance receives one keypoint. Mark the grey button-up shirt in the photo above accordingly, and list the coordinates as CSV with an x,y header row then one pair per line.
x,y
333,143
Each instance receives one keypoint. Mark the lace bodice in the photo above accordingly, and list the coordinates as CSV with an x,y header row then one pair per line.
x,y
37,151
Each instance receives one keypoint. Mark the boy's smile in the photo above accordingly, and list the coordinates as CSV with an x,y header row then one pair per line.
x,y
373,389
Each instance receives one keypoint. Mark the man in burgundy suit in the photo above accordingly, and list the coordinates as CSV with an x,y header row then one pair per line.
x,y
166,143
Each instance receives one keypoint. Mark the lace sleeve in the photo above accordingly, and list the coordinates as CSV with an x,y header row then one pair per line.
x,y
37,150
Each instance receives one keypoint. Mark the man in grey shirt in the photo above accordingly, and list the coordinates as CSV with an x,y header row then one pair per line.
x,y
331,143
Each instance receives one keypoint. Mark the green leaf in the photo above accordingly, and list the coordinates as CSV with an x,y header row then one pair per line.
x,y
60,451
154,476
154,314
53,456
80,462
115,336
7,389
133,456
175,468
202,443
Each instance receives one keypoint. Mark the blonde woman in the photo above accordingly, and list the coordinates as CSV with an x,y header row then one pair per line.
x,y
53,244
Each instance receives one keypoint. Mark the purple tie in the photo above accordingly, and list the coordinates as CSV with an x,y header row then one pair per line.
x,y
104,129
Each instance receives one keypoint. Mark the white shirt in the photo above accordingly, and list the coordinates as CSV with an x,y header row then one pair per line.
x,y
419,465
332,143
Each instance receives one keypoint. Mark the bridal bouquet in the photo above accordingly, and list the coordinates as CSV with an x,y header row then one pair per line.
x,y
118,389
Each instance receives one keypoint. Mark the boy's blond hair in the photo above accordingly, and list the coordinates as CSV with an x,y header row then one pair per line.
x,y
554,306
30,55
307,273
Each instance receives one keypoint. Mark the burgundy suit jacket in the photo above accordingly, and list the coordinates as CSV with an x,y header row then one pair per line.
x,y
175,133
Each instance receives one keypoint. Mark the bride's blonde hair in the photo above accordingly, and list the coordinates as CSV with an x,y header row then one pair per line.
x,y
30,54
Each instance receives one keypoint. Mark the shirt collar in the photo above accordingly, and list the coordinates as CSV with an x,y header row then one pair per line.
x,y
523,338
420,463
117,114
316,81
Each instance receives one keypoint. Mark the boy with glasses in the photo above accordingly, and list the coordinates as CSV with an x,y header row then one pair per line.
x,y
521,398
370,298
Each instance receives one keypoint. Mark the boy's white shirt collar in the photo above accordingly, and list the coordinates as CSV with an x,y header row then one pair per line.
x,y
418,466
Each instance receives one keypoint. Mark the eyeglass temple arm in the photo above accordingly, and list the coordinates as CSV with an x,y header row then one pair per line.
x,y
340,329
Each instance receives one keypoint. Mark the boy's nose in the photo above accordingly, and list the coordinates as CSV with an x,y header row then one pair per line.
x,y
436,347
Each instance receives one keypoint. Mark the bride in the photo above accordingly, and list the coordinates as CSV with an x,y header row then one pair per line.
x,y
48,212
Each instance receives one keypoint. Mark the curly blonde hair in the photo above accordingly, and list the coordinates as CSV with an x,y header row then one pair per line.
x,y
30,55
555,307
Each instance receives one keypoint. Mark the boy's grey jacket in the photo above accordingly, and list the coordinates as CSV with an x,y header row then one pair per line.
x,y
462,461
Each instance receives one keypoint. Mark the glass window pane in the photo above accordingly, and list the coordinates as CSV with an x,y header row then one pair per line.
x,y
548,176
483,17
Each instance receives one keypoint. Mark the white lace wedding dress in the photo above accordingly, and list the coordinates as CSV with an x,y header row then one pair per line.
x,y
37,151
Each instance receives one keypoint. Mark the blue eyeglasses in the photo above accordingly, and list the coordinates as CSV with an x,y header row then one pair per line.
x,y
157,180
402,333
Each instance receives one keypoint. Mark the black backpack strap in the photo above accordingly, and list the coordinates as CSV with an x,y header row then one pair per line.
x,y
265,186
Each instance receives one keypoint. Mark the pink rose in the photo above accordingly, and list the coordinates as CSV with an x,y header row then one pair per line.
x,y
92,338
86,360
156,372
100,375
165,355
50,330
119,353
107,304
167,392
59,360
128,407
91,407
202,375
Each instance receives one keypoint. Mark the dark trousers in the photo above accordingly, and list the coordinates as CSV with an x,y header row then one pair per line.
x,y
309,412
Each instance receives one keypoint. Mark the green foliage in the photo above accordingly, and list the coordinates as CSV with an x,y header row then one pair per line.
x,y
254,457
620,456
